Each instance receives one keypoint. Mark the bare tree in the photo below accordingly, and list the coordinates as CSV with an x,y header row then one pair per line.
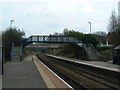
x,y
113,35
113,22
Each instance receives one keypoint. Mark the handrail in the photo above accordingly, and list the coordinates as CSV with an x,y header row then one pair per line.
x,y
54,39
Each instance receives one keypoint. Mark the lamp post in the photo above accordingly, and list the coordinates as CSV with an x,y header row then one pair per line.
x,y
89,46
90,26
11,23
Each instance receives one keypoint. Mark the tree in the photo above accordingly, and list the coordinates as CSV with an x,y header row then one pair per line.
x,y
101,36
10,36
101,33
114,30
55,34
90,39
85,38
65,31
113,22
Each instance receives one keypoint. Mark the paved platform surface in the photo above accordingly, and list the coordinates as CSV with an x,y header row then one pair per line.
x,y
0,82
0,67
22,75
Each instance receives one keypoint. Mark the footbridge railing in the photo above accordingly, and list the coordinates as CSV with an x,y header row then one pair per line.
x,y
52,39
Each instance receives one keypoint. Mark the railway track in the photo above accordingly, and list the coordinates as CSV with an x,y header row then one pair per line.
x,y
78,76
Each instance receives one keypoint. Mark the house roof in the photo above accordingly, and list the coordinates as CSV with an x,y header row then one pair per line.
x,y
118,47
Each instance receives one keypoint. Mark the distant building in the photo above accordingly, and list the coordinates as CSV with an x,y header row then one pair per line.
x,y
104,45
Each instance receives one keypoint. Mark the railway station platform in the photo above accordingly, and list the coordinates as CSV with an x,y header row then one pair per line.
x,y
0,82
30,73
98,64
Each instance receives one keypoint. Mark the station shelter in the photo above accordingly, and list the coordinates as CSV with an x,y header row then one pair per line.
x,y
116,55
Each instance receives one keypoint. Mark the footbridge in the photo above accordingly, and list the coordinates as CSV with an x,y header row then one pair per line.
x,y
51,39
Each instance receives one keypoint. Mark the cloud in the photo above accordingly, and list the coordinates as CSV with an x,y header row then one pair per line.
x,y
25,1
49,16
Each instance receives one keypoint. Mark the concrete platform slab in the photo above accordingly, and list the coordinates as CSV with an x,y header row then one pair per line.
x,y
0,82
22,75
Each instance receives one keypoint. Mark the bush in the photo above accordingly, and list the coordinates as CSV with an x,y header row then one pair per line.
x,y
10,36
100,49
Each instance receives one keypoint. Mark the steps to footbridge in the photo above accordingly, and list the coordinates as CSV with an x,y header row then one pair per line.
x,y
16,53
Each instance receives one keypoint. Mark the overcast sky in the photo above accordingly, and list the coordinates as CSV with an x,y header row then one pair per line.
x,y
44,17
